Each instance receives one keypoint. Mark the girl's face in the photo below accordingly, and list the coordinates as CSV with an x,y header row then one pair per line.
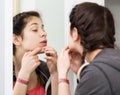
x,y
34,34
70,41
74,41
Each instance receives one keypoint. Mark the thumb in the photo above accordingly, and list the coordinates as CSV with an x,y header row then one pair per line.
x,y
37,51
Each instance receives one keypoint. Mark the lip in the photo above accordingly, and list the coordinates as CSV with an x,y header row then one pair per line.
x,y
43,43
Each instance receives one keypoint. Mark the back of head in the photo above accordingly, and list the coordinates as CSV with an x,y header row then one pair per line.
x,y
95,26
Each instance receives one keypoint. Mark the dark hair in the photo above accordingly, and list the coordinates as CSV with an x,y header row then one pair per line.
x,y
95,25
20,21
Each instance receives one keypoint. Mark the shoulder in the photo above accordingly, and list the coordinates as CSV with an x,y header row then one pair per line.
x,y
43,72
43,69
92,82
43,65
91,73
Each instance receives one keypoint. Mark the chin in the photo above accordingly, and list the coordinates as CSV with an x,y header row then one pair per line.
x,y
43,45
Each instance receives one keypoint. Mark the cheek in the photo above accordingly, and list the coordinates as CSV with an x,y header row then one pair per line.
x,y
29,40
29,43
70,41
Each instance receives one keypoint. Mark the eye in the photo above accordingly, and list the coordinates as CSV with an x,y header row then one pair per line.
x,y
43,28
35,30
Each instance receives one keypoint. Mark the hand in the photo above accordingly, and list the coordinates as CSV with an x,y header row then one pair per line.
x,y
51,57
63,63
30,62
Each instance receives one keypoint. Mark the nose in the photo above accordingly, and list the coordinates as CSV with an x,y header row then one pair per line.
x,y
43,34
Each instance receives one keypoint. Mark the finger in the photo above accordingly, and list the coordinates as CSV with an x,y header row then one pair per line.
x,y
49,49
36,51
65,48
66,52
26,53
48,57
35,57
50,53
36,60
36,64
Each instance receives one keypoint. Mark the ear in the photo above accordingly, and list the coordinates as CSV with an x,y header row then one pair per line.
x,y
16,40
75,34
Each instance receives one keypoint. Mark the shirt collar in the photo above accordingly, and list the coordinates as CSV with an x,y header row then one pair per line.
x,y
80,69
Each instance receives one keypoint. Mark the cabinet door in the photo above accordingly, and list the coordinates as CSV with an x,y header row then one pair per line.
x,y
6,47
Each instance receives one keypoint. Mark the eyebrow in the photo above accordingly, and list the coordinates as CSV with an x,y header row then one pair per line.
x,y
36,24
33,24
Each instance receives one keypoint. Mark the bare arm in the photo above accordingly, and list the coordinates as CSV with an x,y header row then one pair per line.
x,y
51,57
30,60
54,83
63,65
20,88
63,88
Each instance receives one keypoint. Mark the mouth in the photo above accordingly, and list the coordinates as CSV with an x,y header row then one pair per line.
x,y
43,43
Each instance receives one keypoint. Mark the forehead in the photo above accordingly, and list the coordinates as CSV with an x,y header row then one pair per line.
x,y
34,19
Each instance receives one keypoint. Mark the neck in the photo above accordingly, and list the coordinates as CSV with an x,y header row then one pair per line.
x,y
17,60
90,56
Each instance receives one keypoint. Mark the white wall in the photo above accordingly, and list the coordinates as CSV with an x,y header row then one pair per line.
x,y
114,6
26,5
2,86
53,17
6,47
